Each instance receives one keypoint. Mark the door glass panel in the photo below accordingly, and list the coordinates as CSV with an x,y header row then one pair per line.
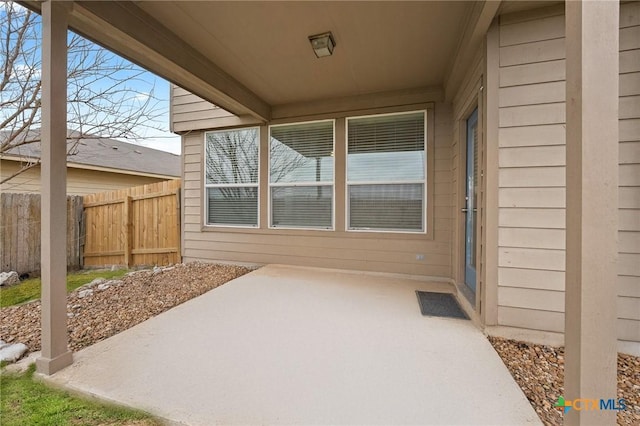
x,y
474,137
471,205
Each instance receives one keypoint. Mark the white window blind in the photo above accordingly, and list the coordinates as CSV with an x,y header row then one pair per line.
x,y
301,175
231,177
386,172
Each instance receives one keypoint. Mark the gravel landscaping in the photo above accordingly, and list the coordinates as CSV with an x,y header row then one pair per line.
x,y
539,371
96,312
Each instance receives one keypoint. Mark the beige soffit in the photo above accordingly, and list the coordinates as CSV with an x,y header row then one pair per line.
x,y
249,57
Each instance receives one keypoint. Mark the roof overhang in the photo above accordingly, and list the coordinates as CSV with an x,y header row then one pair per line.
x,y
254,59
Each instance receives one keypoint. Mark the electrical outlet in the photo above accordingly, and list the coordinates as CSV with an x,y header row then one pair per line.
x,y
419,256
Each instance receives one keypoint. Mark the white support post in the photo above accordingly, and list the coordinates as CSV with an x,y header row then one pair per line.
x,y
592,33
55,351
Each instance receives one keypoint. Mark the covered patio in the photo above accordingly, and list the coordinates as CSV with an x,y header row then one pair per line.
x,y
291,345
331,339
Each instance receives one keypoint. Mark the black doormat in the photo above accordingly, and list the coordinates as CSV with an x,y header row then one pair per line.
x,y
439,305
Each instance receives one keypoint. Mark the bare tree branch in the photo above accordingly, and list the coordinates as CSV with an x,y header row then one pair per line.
x,y
107,96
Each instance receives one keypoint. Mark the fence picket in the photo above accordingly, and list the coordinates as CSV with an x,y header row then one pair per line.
x,y
136,226
20,232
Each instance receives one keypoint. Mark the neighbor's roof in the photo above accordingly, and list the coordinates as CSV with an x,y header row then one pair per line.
x,y
107,153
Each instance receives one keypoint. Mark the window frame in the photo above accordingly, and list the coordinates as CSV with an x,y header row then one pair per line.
x,y
425,218
206,185
301,184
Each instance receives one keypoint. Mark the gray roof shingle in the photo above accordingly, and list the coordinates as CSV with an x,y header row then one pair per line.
x,y
110,153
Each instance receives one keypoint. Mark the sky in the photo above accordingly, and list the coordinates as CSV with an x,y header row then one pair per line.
x,y
159,139
136,87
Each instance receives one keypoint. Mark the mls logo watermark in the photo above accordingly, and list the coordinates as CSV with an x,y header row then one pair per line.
x,y
586,404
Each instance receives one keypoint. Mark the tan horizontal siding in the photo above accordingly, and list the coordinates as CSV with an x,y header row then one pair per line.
x,y
532,197
629,105
28,181
630,130
531,278
546,134
322,240
79,181
629,242
532,115
532,31
629,38
536,218
539,51
190,112
627,286
540,93
537,72
629,174
532,172
532,319
630,61
546,259
382,252
630,15
629,308
333,263
527,298
376,251
536,156
523,177
532,238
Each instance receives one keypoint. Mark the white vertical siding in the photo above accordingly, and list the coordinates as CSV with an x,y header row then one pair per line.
x,y
532,172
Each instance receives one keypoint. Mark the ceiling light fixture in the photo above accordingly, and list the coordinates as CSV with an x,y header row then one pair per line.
x,y
322,44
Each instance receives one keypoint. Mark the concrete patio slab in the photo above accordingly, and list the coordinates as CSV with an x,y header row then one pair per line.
x,y
304,346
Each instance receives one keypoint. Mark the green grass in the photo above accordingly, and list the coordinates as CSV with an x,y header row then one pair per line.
x,y
29,289
25,401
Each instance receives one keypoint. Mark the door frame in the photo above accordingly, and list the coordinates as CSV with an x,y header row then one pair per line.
x,y
473,101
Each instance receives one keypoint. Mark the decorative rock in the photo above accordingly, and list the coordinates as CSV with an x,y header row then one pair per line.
x,y
84,293
168,268
96,282
103,286
157,270
12,353
9,278
114,282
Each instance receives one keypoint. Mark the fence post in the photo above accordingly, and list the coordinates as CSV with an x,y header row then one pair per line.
x,y
179,222
128,221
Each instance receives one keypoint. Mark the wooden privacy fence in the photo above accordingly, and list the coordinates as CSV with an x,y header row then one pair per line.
x,y
20,232
134,226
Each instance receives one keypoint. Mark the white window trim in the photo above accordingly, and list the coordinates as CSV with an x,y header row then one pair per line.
x,y
205,185
297,184
424,182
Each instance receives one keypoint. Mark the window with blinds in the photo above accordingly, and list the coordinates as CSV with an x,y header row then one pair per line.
x,y
231,177
301,175
386,172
